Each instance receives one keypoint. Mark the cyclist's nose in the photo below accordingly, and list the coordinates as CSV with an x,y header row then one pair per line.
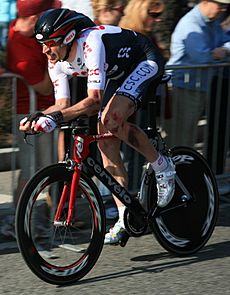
x,y
45,48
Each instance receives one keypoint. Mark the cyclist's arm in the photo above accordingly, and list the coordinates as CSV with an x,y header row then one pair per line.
x,y
88,106
59,105
95,62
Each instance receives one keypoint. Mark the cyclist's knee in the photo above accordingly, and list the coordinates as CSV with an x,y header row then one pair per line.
x,y
113,121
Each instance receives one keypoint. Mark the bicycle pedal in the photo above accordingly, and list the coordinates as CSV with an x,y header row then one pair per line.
x,y
123,241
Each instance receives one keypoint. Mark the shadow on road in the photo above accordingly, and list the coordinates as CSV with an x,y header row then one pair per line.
x,y
163,261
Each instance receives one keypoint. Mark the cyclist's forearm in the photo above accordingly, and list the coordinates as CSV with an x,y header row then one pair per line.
x,y
88,106
59,105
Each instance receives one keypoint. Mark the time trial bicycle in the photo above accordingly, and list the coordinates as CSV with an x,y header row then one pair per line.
x,y
59,195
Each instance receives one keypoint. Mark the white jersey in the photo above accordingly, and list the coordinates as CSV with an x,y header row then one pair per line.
x,y
106,52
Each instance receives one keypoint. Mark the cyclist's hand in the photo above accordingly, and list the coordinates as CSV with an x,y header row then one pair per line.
x,y
27,123
45,124
49,122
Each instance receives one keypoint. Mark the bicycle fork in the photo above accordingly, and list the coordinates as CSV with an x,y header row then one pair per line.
x,y
69,190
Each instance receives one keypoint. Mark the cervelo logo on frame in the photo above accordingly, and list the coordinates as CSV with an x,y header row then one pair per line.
x,y
69,37
112,184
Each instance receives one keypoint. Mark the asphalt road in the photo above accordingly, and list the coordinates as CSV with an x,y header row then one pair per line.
x,y
142,267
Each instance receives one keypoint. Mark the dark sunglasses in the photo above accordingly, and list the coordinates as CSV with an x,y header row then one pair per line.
x,y
52,42
154,14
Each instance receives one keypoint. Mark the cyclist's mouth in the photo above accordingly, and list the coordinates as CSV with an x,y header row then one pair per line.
x,y
52,58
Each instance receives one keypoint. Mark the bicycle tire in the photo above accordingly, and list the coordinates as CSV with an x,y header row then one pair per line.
x,y
186,229
59,255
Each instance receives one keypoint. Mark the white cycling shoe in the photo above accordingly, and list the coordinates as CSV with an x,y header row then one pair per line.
x,y
115,234
166,184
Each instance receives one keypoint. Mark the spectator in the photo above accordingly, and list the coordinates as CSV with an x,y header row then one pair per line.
x,y
7,14
143,22
108,12
79,6
25,58
197,39
142,15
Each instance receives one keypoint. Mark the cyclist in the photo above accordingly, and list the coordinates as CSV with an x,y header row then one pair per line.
x,y
121,66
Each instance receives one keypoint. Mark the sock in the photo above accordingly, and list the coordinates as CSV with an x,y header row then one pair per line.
x,y
160,164
121,211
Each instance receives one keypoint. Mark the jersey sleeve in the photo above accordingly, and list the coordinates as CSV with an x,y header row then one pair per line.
x,y
60,81
94,54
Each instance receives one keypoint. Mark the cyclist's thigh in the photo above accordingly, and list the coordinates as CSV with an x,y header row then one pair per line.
x,y
138,81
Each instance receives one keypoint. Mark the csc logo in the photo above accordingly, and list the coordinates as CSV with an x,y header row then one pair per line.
x,y
124,52
93,72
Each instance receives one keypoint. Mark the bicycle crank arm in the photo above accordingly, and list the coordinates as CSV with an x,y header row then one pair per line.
x,y
123,241
187,196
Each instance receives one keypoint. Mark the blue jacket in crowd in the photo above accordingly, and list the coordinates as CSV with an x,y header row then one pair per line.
x,y
193,40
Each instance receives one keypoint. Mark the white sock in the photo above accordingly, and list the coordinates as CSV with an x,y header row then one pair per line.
x,y
121,211
160,164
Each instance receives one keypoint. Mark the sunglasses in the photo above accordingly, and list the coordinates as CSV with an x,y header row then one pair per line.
x,y
154,14
52,42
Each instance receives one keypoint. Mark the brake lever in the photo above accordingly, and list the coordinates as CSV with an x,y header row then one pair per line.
x,y
26,134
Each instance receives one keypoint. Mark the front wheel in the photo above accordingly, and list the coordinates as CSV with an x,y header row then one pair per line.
x,y
59,254
187,222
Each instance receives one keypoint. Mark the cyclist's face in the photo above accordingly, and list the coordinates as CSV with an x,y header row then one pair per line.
x,y
54,53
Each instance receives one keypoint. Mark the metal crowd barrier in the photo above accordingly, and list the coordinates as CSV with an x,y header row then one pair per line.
x,y
9,155
9,161
218,70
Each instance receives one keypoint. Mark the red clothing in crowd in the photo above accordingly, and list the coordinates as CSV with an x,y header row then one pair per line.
x,y
25,58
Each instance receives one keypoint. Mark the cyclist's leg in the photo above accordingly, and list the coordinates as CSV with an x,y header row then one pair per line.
x,y
116,113
110,152
114,119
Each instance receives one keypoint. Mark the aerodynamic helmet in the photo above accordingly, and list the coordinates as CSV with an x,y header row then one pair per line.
x,y
60,26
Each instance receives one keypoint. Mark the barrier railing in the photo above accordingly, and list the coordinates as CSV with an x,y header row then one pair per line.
x,y
202,75
11,152
9,155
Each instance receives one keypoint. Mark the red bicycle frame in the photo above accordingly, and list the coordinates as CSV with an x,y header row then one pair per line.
x,y
80,152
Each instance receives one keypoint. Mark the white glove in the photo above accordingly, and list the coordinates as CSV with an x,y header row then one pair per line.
x,y
45,124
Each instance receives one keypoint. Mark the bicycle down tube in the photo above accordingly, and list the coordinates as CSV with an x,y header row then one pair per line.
x,y
80,154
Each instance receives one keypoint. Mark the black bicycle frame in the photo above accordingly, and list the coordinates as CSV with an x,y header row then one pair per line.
x,y
115,188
